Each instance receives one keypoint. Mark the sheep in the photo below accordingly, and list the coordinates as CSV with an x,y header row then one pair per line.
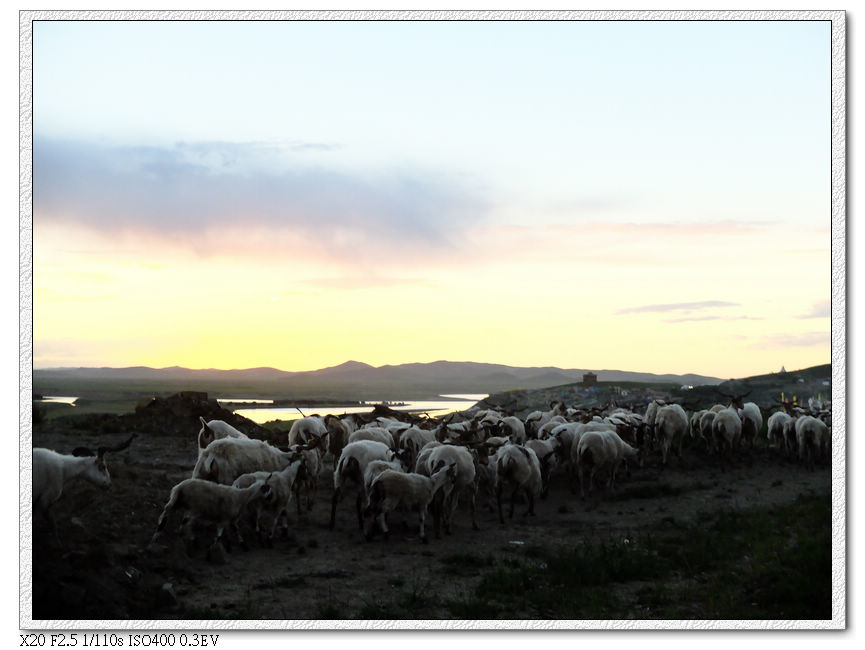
x,y
308,483
393,489
517,466
413,439
812,438
536,419
546,452
671,424
53,472
775,429
227,458
513,428
706,427
601,450
211,503
752,422
216,430
378,434
282,483
726,431
352,465
464,480
306,429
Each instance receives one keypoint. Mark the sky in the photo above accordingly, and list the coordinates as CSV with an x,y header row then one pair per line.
x,y
647,196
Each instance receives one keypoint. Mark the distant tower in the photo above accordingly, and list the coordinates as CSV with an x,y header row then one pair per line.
x,y
590,378
783,371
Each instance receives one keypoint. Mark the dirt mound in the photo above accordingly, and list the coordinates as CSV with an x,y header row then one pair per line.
x,y
176,415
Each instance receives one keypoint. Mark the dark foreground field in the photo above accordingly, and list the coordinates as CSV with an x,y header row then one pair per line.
x,y
685,542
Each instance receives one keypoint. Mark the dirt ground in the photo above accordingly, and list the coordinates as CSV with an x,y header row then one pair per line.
x,y
105,568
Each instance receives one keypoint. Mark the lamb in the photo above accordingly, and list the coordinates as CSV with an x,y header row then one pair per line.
x,y
211,503
283,484
393,489
227,458
519,467
671,425
215,430
352,465
53,472
464,481
601,450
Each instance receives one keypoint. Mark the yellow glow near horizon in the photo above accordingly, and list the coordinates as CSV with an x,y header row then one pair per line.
x,y
117,309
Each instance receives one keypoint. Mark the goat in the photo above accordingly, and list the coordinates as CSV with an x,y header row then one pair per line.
x,y
392,489
53,472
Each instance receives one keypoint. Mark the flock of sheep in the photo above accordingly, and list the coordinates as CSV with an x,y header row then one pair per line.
x,y
428,465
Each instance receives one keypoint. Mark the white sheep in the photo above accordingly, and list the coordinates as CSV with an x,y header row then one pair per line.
x,y
216,430
276,507
306,429
752,422
227,458
671,424
547,452
413,440
211,503
601,450
53,472
518,467
393,489
351,466
812,438
726,431
536,419
513,428
464,481
775,429
378,434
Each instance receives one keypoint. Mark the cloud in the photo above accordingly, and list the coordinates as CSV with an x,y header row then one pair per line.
x,y
685,228
805,339
702,318
364,282
822,309
677,306
259,190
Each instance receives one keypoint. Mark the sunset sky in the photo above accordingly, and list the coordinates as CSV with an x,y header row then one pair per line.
x,y
646,196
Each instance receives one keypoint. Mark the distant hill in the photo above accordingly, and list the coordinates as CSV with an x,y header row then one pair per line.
x,y
351,379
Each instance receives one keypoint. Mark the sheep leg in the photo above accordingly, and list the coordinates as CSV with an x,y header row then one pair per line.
x,y
422,518
359,506
499,502
531,498
513,498
474,511
333,502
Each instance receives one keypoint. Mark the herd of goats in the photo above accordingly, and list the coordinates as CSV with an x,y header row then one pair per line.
x,y
408,462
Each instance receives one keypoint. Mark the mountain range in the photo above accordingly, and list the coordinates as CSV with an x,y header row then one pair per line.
x,y
350,379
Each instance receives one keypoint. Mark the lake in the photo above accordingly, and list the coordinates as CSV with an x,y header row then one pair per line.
x,y
448,404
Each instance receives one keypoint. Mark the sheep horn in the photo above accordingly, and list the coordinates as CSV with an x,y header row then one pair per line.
x,y
103,450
